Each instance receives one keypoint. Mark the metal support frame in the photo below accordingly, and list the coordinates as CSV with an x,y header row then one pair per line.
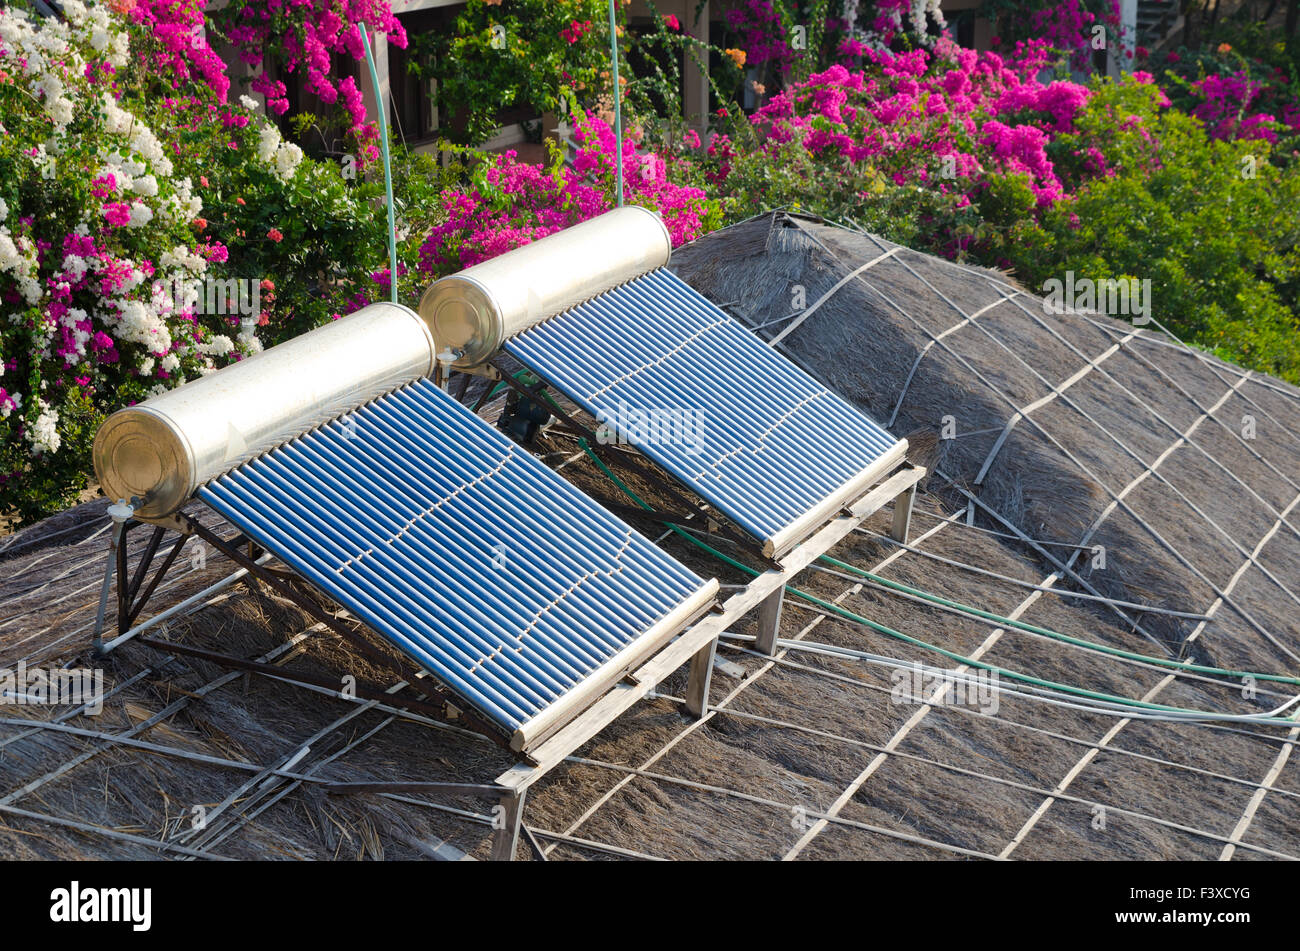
x,y
130,599
441,703
273,672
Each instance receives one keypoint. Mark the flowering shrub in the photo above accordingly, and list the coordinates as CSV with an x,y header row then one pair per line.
x,y
1225,105
124,190
973,155
762,34
92,217
974,131
1067,27
305,35
509,203
897,18
1219,246
766,31
1075,28
181,48
1235,96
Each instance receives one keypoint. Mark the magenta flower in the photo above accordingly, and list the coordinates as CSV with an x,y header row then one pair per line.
x,y
117,214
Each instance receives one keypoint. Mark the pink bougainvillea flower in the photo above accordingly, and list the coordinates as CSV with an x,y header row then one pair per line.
x,y
275,235
575,31
117,214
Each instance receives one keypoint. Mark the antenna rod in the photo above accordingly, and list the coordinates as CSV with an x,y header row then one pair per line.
x,y
618,117
388,167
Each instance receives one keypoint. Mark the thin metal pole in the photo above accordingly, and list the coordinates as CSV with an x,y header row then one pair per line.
x,y
183,606
618,112
381,108
97,639
120,513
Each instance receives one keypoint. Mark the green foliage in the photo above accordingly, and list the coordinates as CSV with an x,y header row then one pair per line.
x,y
1211,223
1253,40
789,176
56,482
524,53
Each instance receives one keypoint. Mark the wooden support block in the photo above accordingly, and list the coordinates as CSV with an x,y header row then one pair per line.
x,y
903,514
769,622
728,669
506,837
697,688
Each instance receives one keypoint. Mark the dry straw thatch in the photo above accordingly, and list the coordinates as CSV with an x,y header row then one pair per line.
x,y
1142,454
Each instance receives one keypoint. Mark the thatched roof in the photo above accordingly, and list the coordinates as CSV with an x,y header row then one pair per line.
x,y
1143,453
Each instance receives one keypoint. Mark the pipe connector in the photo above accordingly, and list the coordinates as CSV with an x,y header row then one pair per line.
x,y
446,359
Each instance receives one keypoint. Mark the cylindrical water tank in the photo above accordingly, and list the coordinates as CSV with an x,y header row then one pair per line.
x,y
161,450
472,312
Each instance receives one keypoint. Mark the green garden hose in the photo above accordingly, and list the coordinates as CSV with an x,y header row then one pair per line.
x,y
917,642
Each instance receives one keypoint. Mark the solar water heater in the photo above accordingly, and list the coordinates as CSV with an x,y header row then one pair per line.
x,y
522,598
595,312
534,615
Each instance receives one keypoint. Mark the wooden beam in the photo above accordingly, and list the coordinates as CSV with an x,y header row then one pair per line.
x,y
903,514
695,69
376,98
697,688
769,622
506,837
727,668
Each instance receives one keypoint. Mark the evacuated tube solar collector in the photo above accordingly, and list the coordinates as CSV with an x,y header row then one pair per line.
x,y
475,311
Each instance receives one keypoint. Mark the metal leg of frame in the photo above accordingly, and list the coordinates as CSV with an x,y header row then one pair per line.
x,y
120,513
505,840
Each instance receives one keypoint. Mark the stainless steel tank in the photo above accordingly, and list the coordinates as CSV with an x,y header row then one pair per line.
x,y
472,312
161,450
